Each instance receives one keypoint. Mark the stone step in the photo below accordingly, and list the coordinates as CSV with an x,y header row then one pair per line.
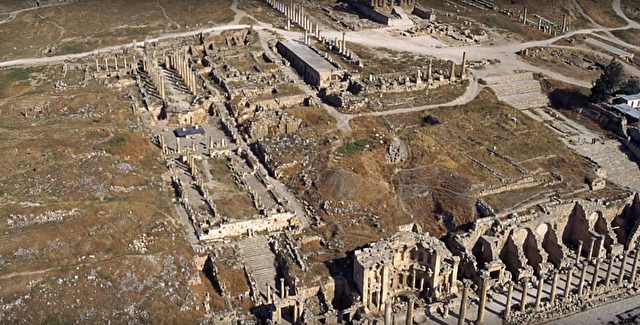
x,y
493,80
526,100
260,261
517,87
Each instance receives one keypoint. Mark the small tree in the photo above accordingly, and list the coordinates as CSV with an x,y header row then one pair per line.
x,y
632,87
608,83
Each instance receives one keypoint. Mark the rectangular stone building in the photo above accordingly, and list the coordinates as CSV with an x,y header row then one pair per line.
x,y
315,69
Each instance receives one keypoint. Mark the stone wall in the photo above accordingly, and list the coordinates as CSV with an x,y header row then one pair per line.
x,y
274,222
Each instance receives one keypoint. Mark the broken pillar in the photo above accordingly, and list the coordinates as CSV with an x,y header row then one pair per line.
x,y
524,21
564,24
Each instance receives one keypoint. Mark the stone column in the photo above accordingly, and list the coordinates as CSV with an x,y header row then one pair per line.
x,y
413,279
384,290
430,73
540,290
567,285
464,64
554,286
590,253
607,279
622,271
452,71
388,313
463,302
579,253
268,293
564,24
507,310
344,43
634,268
97,66
525,16
454,271
277,315
594,280
486,282
282,293
410,307
295,313
523,298
583,274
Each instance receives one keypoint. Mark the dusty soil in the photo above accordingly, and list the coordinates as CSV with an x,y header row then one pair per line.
x,y
89,233
631,9
569,62
602,13
63,29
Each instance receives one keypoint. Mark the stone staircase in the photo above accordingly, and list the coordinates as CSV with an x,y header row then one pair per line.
x,y
260,261
519,90
516,87
506,79
526,100
610,154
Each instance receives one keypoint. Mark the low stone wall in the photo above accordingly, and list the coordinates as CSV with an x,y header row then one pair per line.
x,y
273,222
606,119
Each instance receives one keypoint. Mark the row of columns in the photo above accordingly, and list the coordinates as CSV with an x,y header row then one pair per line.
x,y
296,14
154,73
595,278
180,64
540,27
452,69
129,68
